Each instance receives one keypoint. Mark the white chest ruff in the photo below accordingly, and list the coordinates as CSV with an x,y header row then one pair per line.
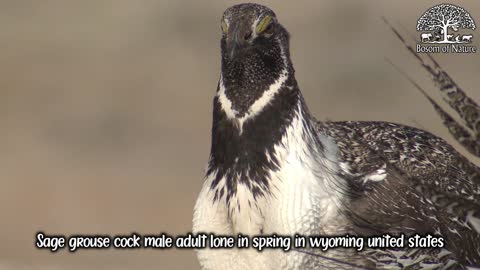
x,y
304,199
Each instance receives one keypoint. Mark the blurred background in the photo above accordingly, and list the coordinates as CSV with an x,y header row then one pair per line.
x,y
105,109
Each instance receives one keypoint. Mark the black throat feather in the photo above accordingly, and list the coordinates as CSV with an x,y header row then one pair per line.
x,y
248,157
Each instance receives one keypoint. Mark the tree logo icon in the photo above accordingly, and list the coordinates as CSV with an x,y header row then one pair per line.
x,y
439,19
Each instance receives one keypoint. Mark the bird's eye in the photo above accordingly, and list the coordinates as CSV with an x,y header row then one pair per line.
x,y
264,25
224,27
269,29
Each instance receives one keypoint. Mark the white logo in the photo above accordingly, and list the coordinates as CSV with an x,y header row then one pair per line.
x,y
442,24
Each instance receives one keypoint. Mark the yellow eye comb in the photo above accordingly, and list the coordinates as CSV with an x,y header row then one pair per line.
x,y
263,24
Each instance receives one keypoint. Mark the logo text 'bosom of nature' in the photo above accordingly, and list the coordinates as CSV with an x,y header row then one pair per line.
x,y
443,28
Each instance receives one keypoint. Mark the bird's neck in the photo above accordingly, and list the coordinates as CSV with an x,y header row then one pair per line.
x,y
244,147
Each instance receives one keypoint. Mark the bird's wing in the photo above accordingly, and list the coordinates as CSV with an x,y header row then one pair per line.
x,y
408,181
429,161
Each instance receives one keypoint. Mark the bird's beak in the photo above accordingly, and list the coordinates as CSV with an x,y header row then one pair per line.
x,y
238,38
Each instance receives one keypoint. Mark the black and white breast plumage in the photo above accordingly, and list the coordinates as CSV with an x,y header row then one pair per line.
x,y
274,169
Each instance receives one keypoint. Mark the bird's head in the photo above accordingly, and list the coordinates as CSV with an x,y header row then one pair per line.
x,y
247,27
255,53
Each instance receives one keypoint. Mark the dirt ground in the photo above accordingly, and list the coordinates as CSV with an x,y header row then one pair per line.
x,y
105,109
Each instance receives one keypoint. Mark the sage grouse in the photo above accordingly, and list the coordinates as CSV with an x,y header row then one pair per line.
x,y
274,170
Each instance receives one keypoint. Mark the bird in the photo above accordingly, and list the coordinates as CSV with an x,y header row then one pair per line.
x,y
275,170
